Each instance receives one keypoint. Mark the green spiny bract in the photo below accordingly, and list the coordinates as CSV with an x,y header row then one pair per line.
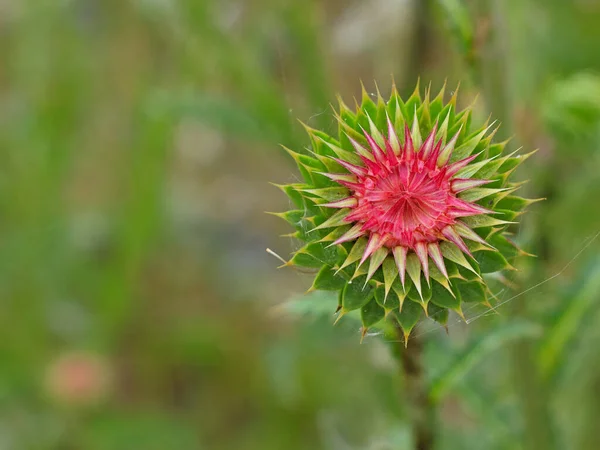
x,y
406,187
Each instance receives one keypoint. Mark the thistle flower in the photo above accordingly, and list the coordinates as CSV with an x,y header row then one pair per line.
x,y
405,210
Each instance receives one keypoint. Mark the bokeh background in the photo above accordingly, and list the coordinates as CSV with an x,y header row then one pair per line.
x,y
138,307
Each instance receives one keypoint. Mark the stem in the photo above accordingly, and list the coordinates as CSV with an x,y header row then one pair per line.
x,y
420,405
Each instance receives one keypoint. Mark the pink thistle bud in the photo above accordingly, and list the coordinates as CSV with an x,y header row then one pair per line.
x,y
405,188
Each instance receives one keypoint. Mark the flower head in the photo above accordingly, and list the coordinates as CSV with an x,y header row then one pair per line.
x,y
405,188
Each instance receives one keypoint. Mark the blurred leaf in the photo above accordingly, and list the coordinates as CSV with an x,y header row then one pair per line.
x,y
305,28
150,432
319,303
476,350
456,15
571,107
567,325
223,114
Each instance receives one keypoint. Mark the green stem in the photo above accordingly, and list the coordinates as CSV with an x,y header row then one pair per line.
x,y
421,408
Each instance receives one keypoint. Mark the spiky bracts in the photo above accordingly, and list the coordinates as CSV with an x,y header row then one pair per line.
x,y
406,188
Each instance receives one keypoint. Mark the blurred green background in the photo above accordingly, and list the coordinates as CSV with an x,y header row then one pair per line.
x,y
138,307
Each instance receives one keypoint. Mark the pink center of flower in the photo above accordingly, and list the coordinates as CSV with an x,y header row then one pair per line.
x,y
408,197
407,203
405,199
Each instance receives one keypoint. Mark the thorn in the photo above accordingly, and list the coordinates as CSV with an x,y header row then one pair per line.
x,y
421,251
436,255
272,253
392,136
468,233
376,150
461,314
364,92
353,169
446,152
349,202
428,145
462,184
375,242
450,234
409,147
417,90
309,290
363,333
400,259
394,89
352,233
340,315
379,96
453,168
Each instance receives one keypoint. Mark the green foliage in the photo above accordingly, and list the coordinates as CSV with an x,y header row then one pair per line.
x,y
571,107
458,19
568,323
464,360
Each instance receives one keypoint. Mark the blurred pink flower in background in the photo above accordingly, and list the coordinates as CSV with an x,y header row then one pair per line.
x,y
78,378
